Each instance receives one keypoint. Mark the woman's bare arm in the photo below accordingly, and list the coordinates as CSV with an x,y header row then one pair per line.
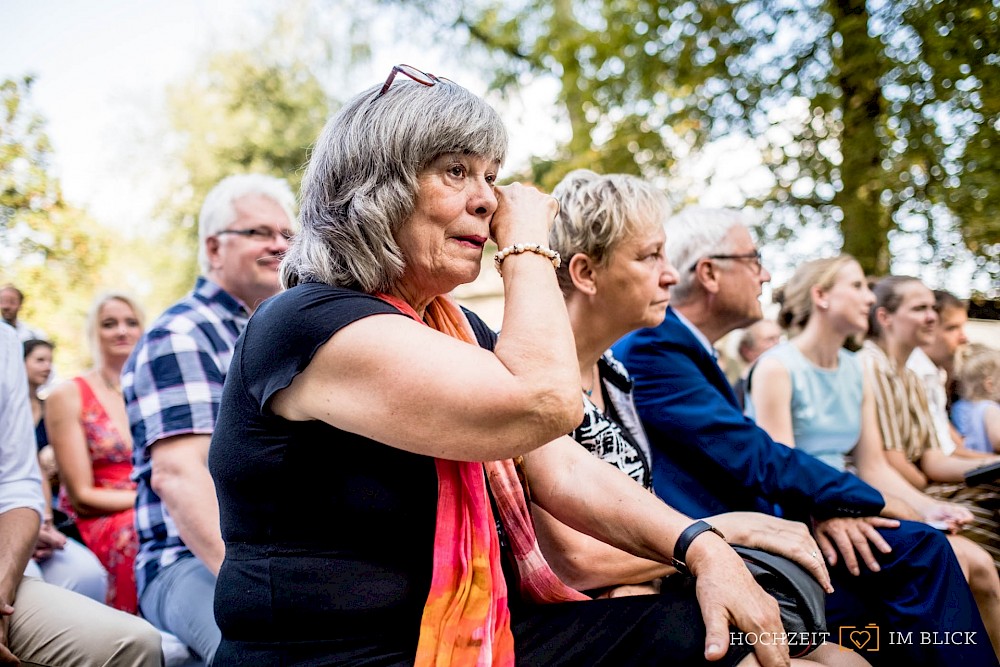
x,y
771,394
398,382
69,443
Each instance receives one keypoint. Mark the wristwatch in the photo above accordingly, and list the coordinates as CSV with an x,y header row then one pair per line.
x,y
684,541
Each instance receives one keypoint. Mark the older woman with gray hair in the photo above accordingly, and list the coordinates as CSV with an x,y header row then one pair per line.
x,y
616,278
89,433
365,450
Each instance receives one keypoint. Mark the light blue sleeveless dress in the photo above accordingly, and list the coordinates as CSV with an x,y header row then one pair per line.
x,y
826,403
970,420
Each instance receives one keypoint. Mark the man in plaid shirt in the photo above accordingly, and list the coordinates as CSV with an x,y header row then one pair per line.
x,y
173,384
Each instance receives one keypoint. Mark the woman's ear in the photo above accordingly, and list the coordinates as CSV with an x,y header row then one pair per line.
x,y
819,297
581,272
882,316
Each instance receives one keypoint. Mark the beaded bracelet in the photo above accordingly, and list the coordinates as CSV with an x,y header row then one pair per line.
x,y
518,248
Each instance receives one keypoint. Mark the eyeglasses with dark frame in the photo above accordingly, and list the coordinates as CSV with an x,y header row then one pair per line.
x,y
757,260
421,77
259,234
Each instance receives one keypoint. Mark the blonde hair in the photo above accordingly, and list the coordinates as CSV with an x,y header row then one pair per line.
x,y
795,297
976,363
93,314
596,213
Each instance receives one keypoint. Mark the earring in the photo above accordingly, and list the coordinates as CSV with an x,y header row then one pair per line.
x,y
823,305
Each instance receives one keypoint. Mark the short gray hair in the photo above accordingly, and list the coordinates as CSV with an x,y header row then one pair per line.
x,y
694,233
361,183
217,211
94,312
598,212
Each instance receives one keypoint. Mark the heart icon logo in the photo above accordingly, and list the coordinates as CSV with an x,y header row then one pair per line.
x,y
860,638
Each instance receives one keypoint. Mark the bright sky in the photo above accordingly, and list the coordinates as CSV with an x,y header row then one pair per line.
x,y
98,66
102,67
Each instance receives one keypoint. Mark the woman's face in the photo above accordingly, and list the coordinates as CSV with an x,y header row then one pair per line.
x,y
914,322
443,240
118,329
38,365
849,300
633,286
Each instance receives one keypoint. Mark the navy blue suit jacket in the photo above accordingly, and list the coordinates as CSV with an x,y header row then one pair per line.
x,y
707,457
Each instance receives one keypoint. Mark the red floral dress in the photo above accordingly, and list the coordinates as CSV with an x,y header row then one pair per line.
x,y
111,537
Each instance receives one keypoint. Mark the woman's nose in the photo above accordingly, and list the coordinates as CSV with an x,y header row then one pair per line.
x,y
670,276
483,201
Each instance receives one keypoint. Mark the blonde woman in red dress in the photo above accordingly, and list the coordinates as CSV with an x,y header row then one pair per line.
x,y
89,432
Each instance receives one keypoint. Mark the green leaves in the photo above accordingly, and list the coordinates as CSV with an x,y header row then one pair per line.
x,y
873,116
252,110
52,250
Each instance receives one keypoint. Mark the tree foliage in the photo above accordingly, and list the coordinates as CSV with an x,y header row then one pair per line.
x,y
874,117
251,110
54,252
36,223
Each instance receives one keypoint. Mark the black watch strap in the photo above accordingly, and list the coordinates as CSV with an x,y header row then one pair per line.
x,y
684,541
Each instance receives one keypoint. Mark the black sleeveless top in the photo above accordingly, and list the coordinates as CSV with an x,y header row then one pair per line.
x,y
329,535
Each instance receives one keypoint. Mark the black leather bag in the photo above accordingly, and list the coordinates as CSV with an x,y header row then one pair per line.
x,y
800,597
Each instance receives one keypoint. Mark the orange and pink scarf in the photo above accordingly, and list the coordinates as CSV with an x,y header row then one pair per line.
x,y
466,620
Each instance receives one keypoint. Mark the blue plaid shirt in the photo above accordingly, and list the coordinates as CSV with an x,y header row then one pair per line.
x,y
172,384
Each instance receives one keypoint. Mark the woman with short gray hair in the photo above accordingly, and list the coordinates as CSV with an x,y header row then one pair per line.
x,y
364,395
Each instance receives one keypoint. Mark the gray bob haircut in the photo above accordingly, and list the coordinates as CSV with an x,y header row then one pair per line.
x,y
217,211
361,184
694,233
598,212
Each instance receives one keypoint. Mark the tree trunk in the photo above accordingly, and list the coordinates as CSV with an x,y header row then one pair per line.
x,y
866,222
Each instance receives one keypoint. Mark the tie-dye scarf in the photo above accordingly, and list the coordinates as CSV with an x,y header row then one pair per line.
x,y
466,620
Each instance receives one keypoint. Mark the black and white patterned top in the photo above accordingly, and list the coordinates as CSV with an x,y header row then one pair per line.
x,y
615,436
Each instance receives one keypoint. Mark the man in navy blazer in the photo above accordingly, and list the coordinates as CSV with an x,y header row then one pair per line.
x,y
891,578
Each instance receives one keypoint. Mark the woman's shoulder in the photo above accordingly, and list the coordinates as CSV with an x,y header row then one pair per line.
x,y
64,396
781,360
66,388
309,300
849,360
288,328
310,292
784,352
485,335
870,351
615,370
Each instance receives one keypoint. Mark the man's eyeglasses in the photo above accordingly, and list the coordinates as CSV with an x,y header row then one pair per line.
x,y
260,234
412,72
755,260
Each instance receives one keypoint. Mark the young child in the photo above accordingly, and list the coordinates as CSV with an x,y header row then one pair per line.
x,y
977,413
